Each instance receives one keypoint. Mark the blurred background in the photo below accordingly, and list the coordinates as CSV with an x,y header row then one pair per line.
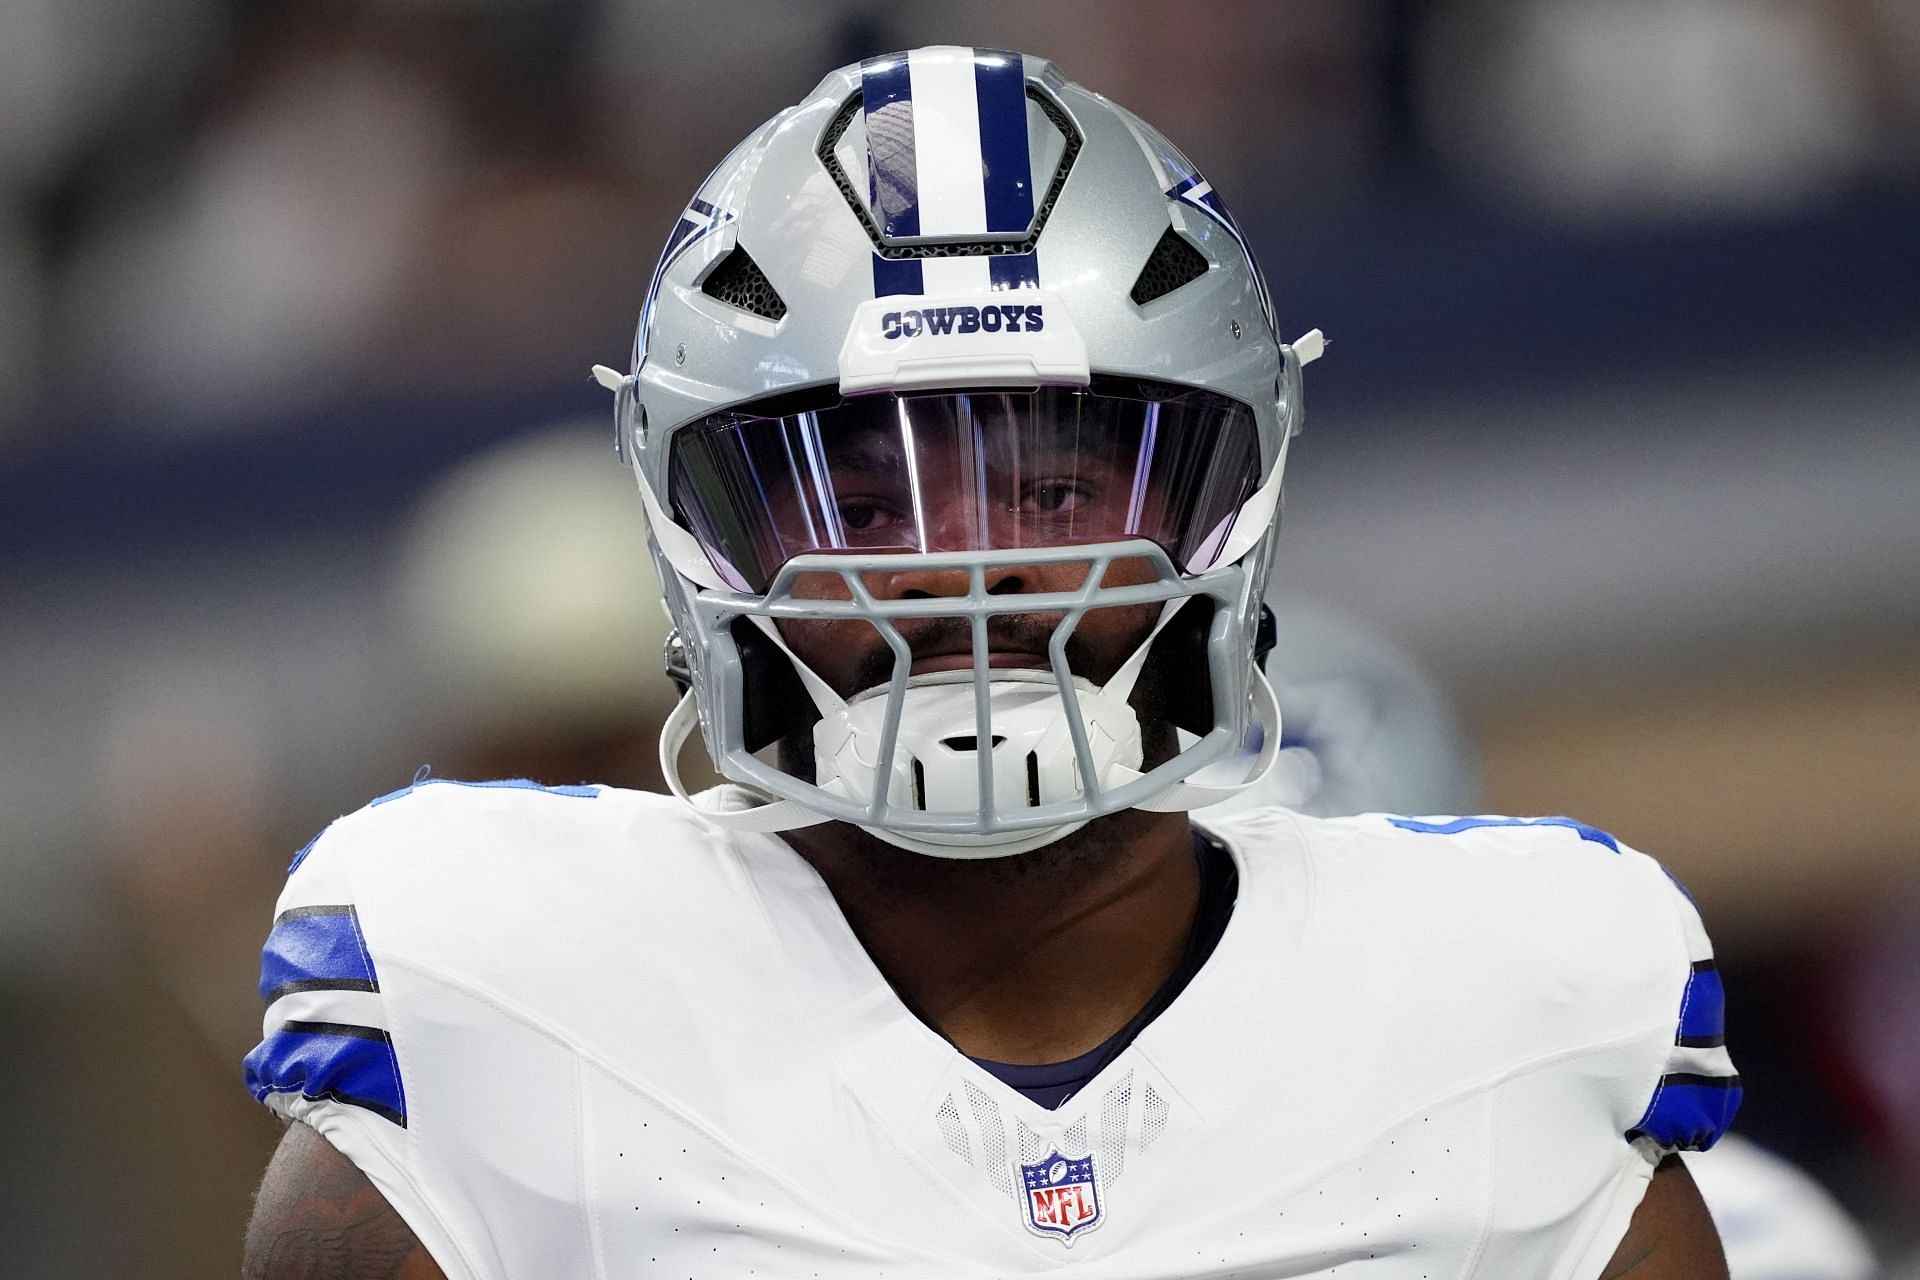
x,y
303,482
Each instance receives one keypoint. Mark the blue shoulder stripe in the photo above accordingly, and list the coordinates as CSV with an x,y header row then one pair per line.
x,y
1703,1009
581,791
1690,1112
1455,826
343,1063
1695,1102
305,849
318,948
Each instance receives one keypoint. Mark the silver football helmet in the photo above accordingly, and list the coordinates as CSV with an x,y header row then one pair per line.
x,y
959,416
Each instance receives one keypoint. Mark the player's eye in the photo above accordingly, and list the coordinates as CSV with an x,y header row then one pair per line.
x,y
866,515
1055,497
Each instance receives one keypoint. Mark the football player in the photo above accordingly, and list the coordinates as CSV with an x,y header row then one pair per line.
x,y
959,415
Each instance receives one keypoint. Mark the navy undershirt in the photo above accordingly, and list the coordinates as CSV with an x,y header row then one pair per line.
x,y
1050,1084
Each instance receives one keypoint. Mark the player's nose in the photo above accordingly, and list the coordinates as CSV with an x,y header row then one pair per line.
x,y
951,522
925,583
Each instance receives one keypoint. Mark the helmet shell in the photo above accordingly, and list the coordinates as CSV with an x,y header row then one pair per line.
x,y
775,198
846,211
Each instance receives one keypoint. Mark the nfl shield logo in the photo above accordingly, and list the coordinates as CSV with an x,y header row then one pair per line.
x,y
1062,1197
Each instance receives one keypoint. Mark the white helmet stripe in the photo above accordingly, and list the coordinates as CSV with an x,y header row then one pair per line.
x,y
946,124
951,277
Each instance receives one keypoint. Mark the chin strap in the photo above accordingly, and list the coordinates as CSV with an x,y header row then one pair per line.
x,y
1198,795
786,815
779,815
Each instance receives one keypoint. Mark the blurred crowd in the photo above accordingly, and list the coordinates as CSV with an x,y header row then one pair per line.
x,y
227,208
334,271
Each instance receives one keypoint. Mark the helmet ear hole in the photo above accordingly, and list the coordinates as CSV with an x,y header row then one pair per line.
x,y
773,702
1176,684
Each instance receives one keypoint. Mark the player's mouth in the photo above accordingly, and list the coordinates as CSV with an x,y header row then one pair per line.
x,y
963,660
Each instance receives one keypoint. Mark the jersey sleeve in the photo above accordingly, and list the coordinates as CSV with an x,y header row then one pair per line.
x,y
325,1036
1682,1091
1616,1029
1625,932
1693,1101
328,1056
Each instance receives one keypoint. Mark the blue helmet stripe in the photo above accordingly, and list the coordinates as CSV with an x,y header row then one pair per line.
x,y
896,275
1014,270
1006,168
893,182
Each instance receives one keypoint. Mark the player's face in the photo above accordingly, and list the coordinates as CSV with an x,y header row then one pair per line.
x,y
971,492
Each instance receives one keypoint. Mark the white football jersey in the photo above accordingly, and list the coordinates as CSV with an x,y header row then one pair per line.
x,y
581,1032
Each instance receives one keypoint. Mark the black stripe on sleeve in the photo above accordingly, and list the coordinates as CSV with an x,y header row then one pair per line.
x,y
1702,966
1687,1077
359,1032
1700,1042
324,909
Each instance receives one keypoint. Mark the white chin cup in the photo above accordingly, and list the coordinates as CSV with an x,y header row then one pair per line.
x,y
936,764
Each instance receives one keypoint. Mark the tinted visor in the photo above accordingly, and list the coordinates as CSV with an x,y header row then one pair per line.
x,y
965,471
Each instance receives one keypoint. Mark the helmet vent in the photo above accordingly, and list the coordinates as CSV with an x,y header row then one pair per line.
x,y
1172,263
738,281
1055,114
968,743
